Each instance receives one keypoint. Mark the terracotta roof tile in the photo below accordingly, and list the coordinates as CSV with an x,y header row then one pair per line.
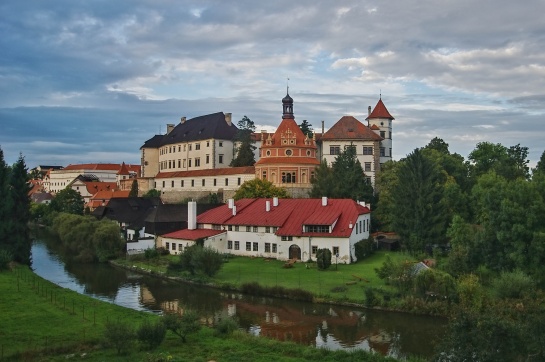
x,y
250,170
348,128
101,167
93,186
187,234
380,111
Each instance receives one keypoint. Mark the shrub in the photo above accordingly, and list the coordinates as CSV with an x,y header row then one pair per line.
x,y
226,326
512,284
323,258
119,335
207,261
151,335
151,253
5,258
186,259
364,248
182,326
370,297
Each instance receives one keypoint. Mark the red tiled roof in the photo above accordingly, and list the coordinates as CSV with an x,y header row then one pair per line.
x,y
123,170
187,234
106,195
250,170
288,160
101,167
258,136
375,127
285,125
380,111
290,215
95,186
349,127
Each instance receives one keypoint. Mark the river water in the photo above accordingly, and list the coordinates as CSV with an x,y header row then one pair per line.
x,y
334,327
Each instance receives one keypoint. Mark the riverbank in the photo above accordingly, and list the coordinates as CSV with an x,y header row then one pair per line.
x,y
42,321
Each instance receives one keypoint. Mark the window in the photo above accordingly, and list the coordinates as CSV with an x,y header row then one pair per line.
x,y
214,182
248,246
335,251
207,159
383,134
167,246
264,175
192,183
179,163
230,227
317,228
182,183
382,152
189,147
226,182
287,238
267,247
171,183
274,249
207,143
238,181
267,229
367,166
390,152
334,150
184,162
184,148
367,150
163,184
289,152
274,229
179,148
236,227
203,182
255,229
237,245
368,180
189,163
197,162
248,229
255,247
288,177
229,244
173,246
220,158
314,249
220,144
197,146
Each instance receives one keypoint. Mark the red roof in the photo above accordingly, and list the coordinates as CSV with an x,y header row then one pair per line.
x,y
290,215
123,170
101,167
349,127
380,111
187,234
250,170
94,186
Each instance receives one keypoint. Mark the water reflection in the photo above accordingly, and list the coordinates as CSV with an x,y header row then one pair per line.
x,y
334,327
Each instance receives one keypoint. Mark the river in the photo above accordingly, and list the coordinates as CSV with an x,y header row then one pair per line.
x,y
334,327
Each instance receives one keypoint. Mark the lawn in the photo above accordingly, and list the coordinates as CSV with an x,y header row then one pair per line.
x,y
344,282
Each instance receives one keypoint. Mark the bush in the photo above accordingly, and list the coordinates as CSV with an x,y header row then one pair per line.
x,y
151,335
182,326
323,258
119,335
5,259
512,284
364,248
151,253
226,326
370,297
207,261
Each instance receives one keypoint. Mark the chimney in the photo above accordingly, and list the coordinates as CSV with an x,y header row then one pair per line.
x,y
275,201
170,127
350,226
267,206
228,118
182,120
191,215
324,200
368,206
234,210
323,128
362,203
263,135
369,111
230,203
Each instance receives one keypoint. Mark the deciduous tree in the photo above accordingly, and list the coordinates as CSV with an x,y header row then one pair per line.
x,y
257,188
244,143
68,200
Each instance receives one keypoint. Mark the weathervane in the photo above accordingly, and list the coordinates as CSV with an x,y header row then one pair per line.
x,y
287,86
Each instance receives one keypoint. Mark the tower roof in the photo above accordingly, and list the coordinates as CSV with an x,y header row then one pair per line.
x,y
287,105
380,111
349,128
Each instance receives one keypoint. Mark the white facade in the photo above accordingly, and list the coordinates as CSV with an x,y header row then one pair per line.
x,y
195,155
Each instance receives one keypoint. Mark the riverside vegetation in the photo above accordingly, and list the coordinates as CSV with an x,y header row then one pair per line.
x,y
42,321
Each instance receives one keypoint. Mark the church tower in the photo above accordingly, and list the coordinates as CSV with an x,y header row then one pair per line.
x,y
288,157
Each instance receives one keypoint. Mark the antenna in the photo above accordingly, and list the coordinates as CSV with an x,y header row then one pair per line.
x,y
287,86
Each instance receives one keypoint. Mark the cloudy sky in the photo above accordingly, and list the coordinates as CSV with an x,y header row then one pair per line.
x,y
90,81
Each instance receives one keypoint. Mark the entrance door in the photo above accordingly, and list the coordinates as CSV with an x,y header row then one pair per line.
x,y
295,252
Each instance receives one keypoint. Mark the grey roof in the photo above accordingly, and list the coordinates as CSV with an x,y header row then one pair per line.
x,y
132,210
196,129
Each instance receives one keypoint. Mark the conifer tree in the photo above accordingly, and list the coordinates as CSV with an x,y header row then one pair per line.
x,y
245,148
4,212
134,189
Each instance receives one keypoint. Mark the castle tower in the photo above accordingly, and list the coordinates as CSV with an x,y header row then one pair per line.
x,y
380,121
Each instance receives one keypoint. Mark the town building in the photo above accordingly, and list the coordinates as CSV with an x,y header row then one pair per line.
x,y
284,229
288,157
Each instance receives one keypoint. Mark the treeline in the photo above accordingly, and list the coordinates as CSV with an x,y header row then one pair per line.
x,y
88,239
15,242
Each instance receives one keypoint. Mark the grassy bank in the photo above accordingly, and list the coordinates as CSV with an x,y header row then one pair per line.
x,y
41,321
340,282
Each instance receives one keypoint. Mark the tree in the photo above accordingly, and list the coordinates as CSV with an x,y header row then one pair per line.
x,y
245,144
182,326
151,335
17,239
323,258
258,188
119,335
306,128
107,241
323,181
68,200
134,189
510,163
418,211
540,167
5,204
386,183
207,261
152,193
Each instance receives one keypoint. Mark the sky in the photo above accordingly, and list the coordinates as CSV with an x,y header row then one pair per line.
x,y
91,81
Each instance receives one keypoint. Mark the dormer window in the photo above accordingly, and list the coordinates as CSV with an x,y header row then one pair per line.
x,y
317,228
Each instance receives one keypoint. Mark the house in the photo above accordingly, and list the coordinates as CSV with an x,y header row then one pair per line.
x,y
102,198
288,158
89,185
279,228
41,197
167,218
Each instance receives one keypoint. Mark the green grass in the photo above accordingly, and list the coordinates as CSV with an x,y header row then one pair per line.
x,y
43,322
270,272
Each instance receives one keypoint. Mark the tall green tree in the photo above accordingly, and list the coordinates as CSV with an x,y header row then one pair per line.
x,y
386,181
418,211
540,167
18,201
306,127
510,163
323,181
258,188
68,200
244,155
4,205
134,189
